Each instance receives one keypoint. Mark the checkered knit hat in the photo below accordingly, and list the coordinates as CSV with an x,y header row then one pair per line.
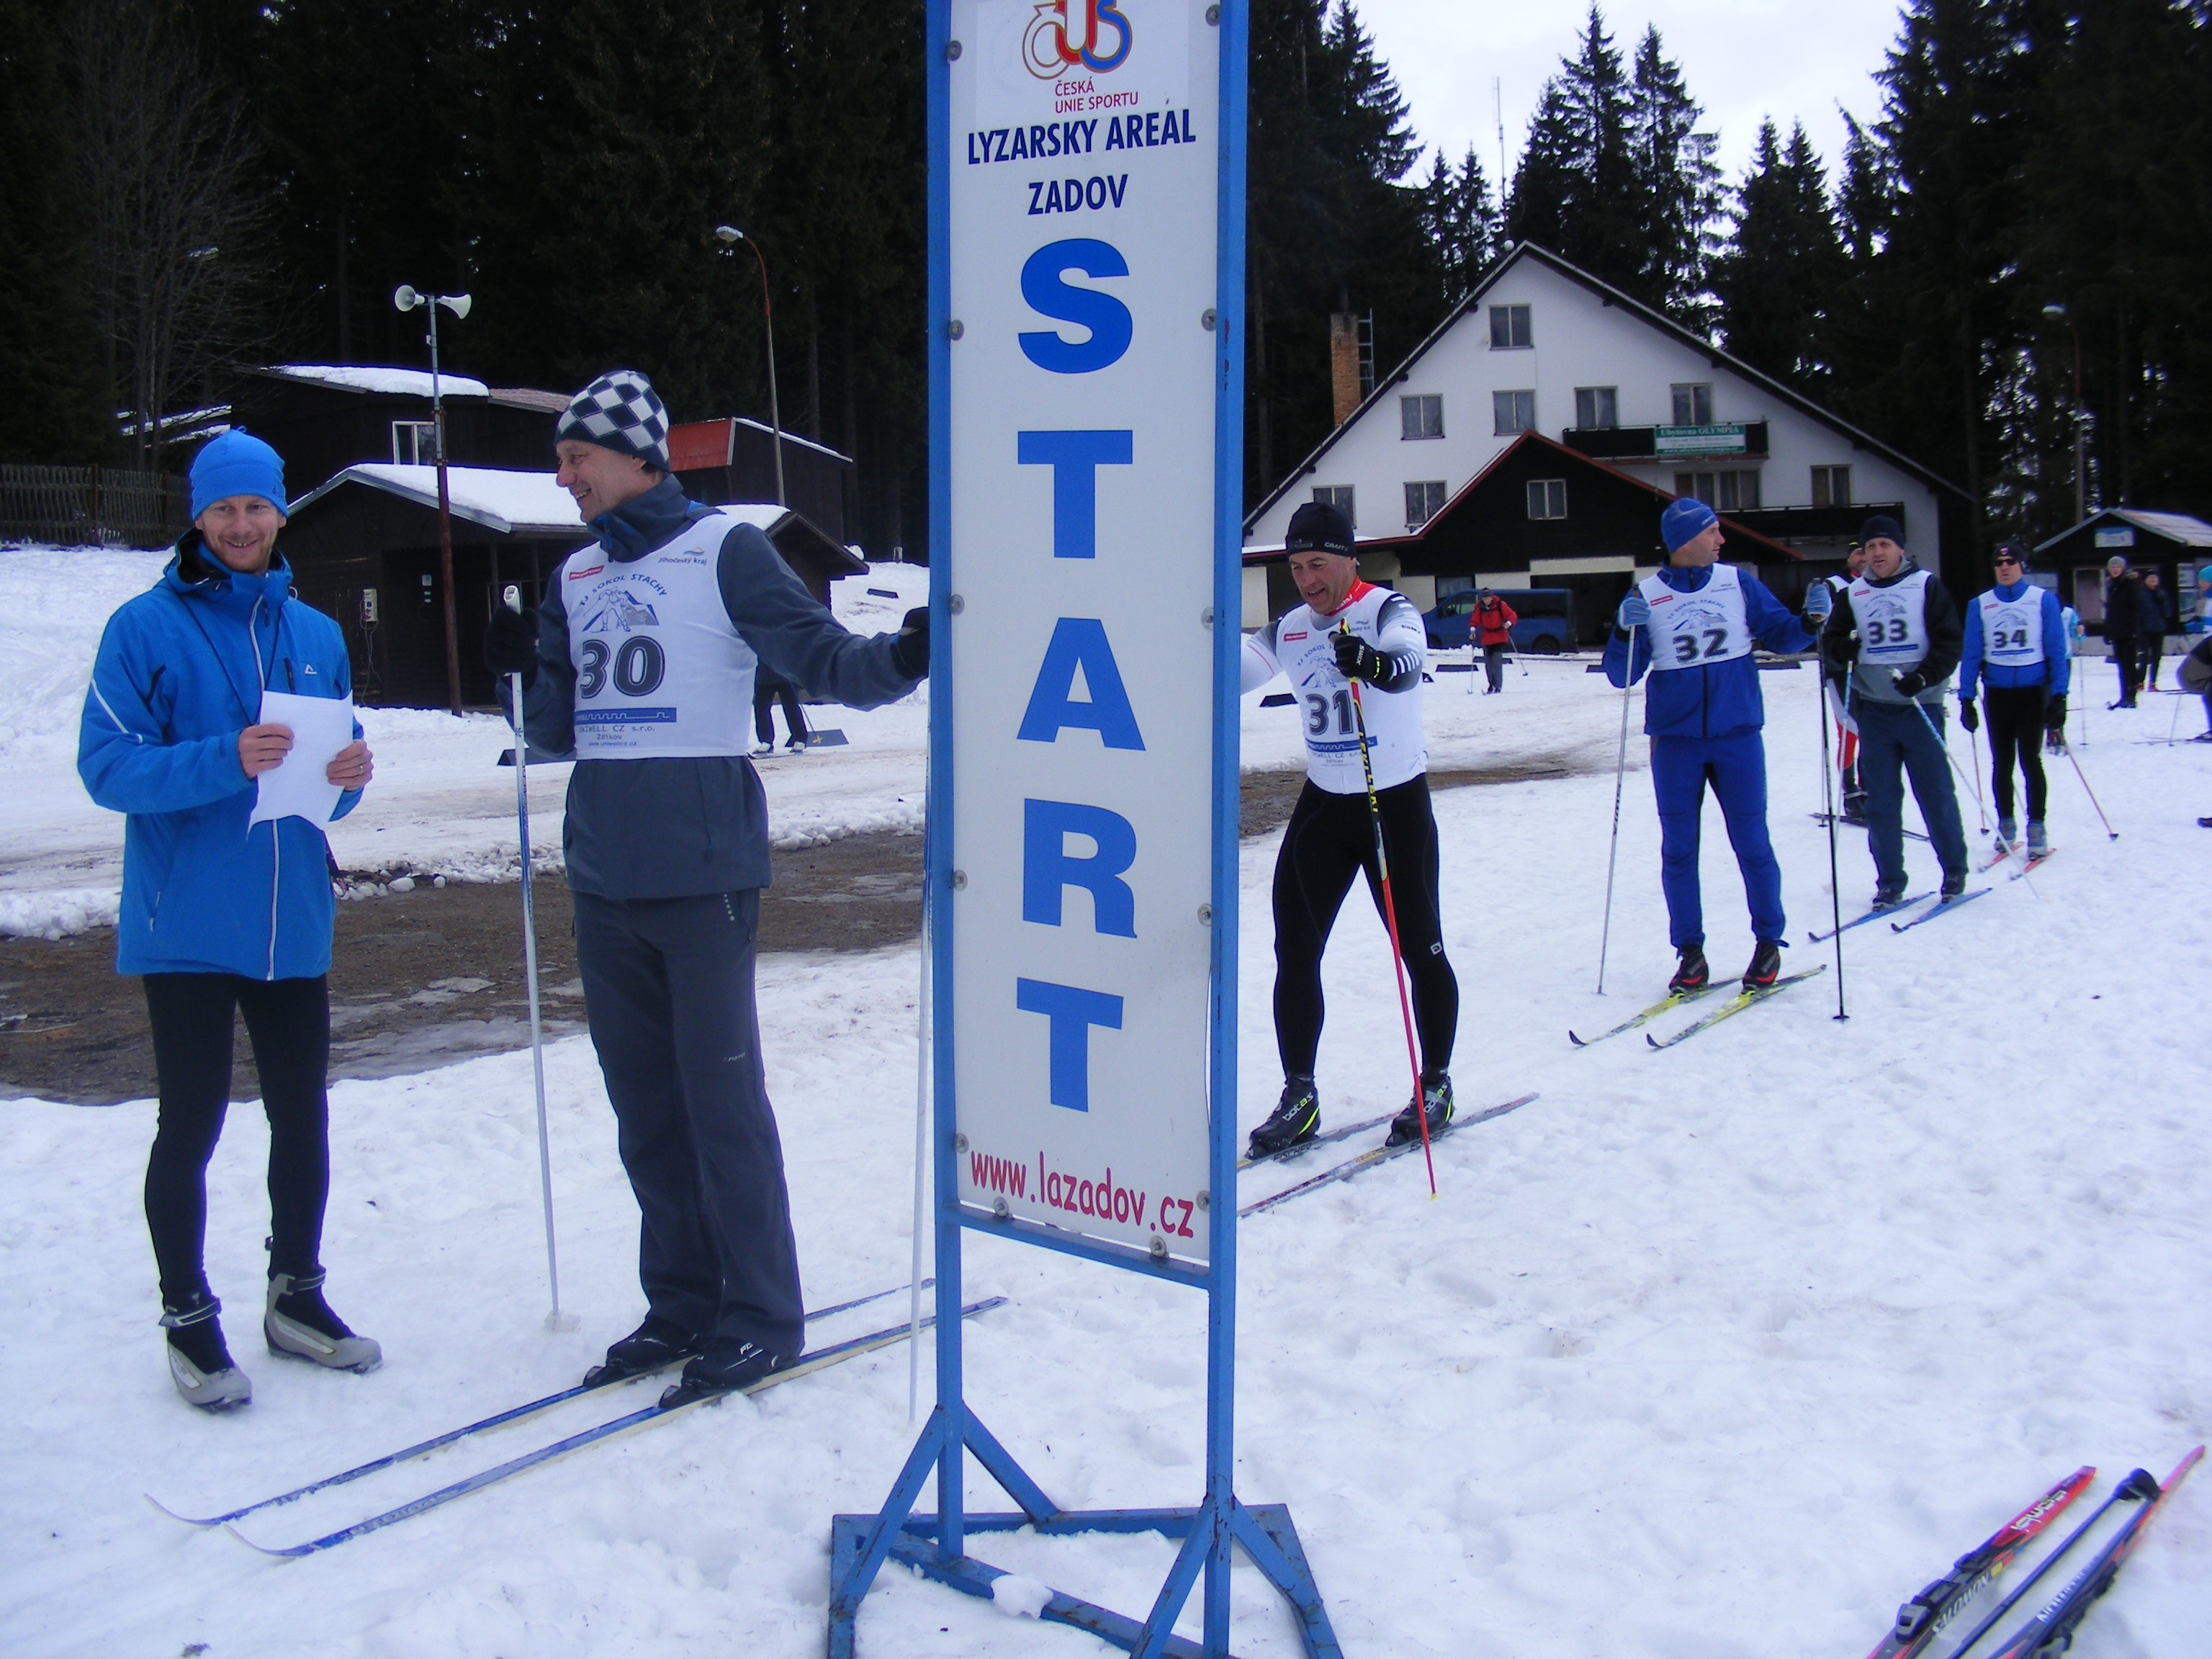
x,y
620,411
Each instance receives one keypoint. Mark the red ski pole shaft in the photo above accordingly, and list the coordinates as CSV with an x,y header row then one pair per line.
x,y
1390,922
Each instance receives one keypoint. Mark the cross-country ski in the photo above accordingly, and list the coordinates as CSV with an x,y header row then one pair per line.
x,y
658,668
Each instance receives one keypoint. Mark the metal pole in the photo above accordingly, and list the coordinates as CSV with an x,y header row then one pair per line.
x,y
1828,800
2110,834
1619,776
920,1141
445,530
775,410
553,1320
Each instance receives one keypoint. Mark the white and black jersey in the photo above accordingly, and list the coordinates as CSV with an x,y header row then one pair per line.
x,y
1298,645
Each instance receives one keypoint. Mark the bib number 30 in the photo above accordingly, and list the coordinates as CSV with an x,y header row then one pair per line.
x,y
639,667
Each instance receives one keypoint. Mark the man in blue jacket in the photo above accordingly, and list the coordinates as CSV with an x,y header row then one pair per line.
x,y
641,661
2018,650
222,915
1693,625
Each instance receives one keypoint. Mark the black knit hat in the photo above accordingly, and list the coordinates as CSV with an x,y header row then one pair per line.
x,y
1318,527
1883,524
620,411
2010,551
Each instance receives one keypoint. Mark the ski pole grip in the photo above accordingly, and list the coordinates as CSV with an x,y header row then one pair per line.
x,y
514,598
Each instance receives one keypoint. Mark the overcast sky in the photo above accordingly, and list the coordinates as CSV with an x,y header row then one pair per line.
x,y
1743,60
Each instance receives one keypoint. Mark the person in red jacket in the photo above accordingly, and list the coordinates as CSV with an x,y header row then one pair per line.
x,y
1492,622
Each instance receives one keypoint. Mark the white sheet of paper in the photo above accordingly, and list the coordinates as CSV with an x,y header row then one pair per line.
x,y
296,787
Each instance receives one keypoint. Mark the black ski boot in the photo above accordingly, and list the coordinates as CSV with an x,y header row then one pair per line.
x,y
652,1346
298,1322
1954,883
1296,1118
1888,897
199,1363
1691,973
1435,1103
1766,966
721,1371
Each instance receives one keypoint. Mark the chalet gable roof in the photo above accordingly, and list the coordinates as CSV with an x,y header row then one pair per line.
x,y
1620,302
2177,527
371,380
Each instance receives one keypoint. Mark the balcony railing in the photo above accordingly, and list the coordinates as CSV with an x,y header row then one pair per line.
x,y
1794,524
1738,441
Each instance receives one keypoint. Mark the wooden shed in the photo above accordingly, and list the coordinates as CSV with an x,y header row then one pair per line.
x,y
733,459
363,549
2174,544
323,417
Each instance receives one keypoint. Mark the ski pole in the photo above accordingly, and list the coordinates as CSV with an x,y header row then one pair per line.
x,y
1975,749
1613,855
553,1320
1936,732
1828,800
2110,834
1390,918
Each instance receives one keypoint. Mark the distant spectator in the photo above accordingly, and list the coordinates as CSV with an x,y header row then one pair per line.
x,y
2158,614
770,688
1493,621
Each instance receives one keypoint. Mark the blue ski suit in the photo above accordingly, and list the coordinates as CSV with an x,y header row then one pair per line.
x,y
179,674
1704,721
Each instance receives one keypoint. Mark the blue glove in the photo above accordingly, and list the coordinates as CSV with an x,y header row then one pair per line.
x,y
1820,601
1634,612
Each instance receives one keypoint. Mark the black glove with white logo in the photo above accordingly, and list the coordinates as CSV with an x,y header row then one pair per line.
x,y
1912,682
510,644
1356,659
911,653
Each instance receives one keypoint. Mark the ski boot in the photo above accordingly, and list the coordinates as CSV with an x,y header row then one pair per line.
x,y
1435,1104
1888,896
1954,883
1296,1118
725,1371
298,1322
2038,842
657,1343
199,1364
2007,835
1766,966
1691,973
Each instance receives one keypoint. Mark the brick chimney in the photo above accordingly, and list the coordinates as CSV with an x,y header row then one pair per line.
x,y
1343,364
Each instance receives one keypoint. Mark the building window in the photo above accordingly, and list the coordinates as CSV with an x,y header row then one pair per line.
x,y
1831,486
1548,498
1339,498
1509,327
1724,492
1512,412
1693,405
414,443
1597,406
1425,499
1421,416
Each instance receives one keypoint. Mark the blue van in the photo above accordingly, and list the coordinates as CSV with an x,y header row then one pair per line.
x,y
1546,624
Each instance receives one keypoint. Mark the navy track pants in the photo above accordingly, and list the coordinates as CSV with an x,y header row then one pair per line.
x,y
1897,741
1736,767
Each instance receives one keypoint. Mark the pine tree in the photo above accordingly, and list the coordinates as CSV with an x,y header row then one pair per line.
x,y
1777,280
1575,191
1677,185
1461,223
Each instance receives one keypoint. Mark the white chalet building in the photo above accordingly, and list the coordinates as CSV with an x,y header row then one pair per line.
x,y
1629,410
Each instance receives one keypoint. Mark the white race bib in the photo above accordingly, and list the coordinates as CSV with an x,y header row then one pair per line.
x,y
1892,621
661,671
1689,630
2012,629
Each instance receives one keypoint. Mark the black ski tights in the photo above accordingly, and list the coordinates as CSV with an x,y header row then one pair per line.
x,y
1331,838
288,1021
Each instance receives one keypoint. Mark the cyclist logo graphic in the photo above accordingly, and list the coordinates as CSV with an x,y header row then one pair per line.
x,y
1068,33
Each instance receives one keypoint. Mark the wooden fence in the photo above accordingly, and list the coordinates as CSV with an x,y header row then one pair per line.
x,y
92,506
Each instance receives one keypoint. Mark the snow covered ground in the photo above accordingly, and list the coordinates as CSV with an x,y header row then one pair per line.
x,y
1721,1351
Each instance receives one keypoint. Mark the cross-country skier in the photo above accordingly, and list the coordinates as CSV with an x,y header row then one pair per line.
x,y
222,915
2016,648
1894,639
1847,734
641,659
1693,625
1347,629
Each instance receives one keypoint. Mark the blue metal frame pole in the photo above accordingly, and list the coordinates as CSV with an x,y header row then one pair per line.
x,y
1228,650
951,1414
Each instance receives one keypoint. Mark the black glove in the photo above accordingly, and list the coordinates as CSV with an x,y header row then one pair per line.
x,y
1969,716
910,651
2054,712
510,644
1912,682
1356,659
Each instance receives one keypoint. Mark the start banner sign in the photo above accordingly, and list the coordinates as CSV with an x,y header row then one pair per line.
x,y
1083,155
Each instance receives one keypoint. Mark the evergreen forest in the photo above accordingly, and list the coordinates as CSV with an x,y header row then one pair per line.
x,y
193,185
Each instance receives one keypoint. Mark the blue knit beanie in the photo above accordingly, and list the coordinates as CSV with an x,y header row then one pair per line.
x,y
1685,520
236,463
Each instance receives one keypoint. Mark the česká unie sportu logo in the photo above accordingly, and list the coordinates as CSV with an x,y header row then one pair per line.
x,y
1067,35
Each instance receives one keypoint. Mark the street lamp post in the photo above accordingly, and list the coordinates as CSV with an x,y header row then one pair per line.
x,y
405,298
2059,313
729,236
